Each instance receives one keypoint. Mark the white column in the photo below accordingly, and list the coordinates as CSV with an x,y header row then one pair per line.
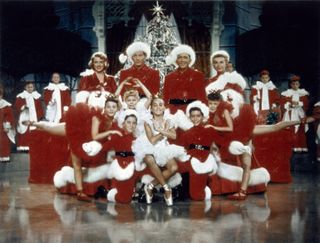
x,y
217,27
98,12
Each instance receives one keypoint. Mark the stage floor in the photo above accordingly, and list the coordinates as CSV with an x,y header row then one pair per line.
x,y
36,213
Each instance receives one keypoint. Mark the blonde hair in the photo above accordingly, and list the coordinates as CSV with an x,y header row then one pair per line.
x,y
131,92
101,55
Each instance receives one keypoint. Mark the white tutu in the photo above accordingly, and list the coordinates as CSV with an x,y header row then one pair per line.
x,y
162,151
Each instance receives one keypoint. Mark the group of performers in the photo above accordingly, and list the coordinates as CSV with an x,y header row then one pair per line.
x,y
120,134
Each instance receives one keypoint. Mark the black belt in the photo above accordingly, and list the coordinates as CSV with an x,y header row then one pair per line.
x,y
180,101
198,147
124,153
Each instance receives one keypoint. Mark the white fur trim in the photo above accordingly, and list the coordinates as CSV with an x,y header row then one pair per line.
x,y
179,50
127,112
111,196
92,148
238,148
234,173
25,94
208,193
138,46
3,159
4,103
220,52
98,99
236,78
82,96
198,104
123,58
66,175
119,173
180,120
291,92
53,86
87,72
208,166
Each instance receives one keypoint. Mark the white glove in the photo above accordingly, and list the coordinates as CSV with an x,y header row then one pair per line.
x,y
92,148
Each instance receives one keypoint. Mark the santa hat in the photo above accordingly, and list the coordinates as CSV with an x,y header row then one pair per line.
x,y
172,58
220,53
133,48
198,104
123,115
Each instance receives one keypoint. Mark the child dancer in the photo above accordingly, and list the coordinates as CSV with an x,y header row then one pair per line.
x,y
154,149
122,167
198,144
28,105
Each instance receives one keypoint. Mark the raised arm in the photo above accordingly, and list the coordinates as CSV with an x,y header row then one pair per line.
x,y
145,91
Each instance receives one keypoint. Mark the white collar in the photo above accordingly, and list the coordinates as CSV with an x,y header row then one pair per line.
x,y
60,86
260,85
290,92
26,94
4,103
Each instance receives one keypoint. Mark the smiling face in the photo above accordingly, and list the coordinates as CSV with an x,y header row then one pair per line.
x,y
111,108
157,107
183,60
219,63
196,117
55,78
130,124
98,64
138,58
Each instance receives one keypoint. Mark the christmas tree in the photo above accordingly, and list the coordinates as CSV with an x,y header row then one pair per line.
x,y
162,36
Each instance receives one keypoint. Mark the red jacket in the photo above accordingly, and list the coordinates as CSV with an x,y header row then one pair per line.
x,y
92,83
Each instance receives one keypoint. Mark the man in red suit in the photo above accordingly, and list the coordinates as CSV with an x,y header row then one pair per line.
x,y
264,97
28,105
6,128
294,102
95,84
57,99
138,53
184,85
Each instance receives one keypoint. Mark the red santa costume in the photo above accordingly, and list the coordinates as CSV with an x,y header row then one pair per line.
x,y
78,131
294,113
148,76
181,87
229,174
91,90
201,163
263,98
57,99
7,131
29,107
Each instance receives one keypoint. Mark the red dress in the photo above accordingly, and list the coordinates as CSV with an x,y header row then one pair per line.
x,y
29,108
6,121
78,131
57,98
148,76
92,83
197,143
263,98
181,88
296,112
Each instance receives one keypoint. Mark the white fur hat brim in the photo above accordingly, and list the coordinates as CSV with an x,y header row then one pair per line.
x,y
172,58
198,104
138,46
218,53
126,113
